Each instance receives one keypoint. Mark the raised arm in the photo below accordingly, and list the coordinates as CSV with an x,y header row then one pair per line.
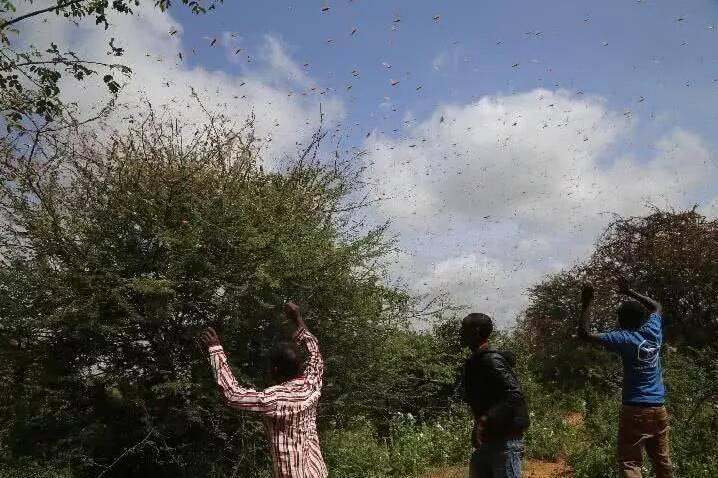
x,y
651,304
314,366
236,396
584,329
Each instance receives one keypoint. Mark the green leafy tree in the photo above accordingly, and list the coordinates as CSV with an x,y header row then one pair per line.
x,y
30,75
117,250
673,257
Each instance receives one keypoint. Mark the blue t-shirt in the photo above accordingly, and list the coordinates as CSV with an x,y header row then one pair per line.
x,y
640,351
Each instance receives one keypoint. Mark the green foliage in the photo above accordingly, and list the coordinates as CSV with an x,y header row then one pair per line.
x,y
550,435
113,260
694,410
415,449
420,376
356,451
672,256
34,470
30,76
410,449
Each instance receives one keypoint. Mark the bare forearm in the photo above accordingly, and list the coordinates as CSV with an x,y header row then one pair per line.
x,y
583,322
291,310
584,327
652,304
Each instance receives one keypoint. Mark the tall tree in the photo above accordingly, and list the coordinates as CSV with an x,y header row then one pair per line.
x,y
114,257
672,256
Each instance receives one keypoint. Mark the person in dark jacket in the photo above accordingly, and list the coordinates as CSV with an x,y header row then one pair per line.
x,y
499,408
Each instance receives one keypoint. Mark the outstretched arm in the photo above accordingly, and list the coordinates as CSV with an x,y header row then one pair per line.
x,y
651,304
236,396
314,366
584,329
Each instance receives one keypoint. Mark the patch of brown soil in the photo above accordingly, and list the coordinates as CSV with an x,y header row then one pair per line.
x,y
574,419
532,469
545,469
452,472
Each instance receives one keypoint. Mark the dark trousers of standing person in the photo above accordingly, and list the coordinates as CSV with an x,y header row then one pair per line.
x,y
497,459
642,428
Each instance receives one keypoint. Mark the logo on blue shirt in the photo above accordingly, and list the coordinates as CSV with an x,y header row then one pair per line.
x,y
640,352
649,353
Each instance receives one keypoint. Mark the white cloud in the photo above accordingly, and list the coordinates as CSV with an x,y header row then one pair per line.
x,y
272,86
711,209
494,287
494,194
280,62
496,156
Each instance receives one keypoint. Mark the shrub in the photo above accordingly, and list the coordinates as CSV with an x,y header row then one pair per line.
x,y
410,449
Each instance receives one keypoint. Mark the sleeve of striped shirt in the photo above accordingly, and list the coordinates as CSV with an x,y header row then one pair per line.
x,y
236,396
314,366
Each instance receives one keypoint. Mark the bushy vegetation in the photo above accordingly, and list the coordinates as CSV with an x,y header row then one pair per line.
x,y
673,256
574,390
114,257
117,250
409,449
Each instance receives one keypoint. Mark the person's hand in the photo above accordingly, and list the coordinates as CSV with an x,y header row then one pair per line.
x,y
586,294
623,285
291,310
209,338
477,435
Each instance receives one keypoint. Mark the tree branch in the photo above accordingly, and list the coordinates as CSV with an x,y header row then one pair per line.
x,y
125,453
39,12
63,61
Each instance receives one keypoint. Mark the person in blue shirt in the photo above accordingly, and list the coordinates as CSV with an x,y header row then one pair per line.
x,y
643,422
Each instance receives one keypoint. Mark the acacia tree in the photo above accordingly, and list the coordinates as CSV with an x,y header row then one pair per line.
x,y
117,251
30,75
672,256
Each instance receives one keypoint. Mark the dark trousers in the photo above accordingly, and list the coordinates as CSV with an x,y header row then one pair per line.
x,y
497,459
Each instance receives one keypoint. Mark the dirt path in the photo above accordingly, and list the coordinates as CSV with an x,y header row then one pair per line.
x,y
533,469
545,469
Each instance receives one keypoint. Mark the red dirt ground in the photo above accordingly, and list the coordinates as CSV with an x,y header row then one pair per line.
x,y
532,469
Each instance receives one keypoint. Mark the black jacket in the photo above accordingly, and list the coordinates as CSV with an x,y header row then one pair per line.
x,y
492,390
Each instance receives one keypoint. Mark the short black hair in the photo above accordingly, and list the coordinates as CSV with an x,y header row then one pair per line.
x,y
286,359
631,314
482,324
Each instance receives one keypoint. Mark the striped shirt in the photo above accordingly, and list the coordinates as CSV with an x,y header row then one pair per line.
x,y
289,411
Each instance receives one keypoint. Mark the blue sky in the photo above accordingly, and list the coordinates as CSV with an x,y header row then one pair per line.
x,y
515,131
620,50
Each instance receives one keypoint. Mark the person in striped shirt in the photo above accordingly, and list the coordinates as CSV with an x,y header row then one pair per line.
x,y
289,408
